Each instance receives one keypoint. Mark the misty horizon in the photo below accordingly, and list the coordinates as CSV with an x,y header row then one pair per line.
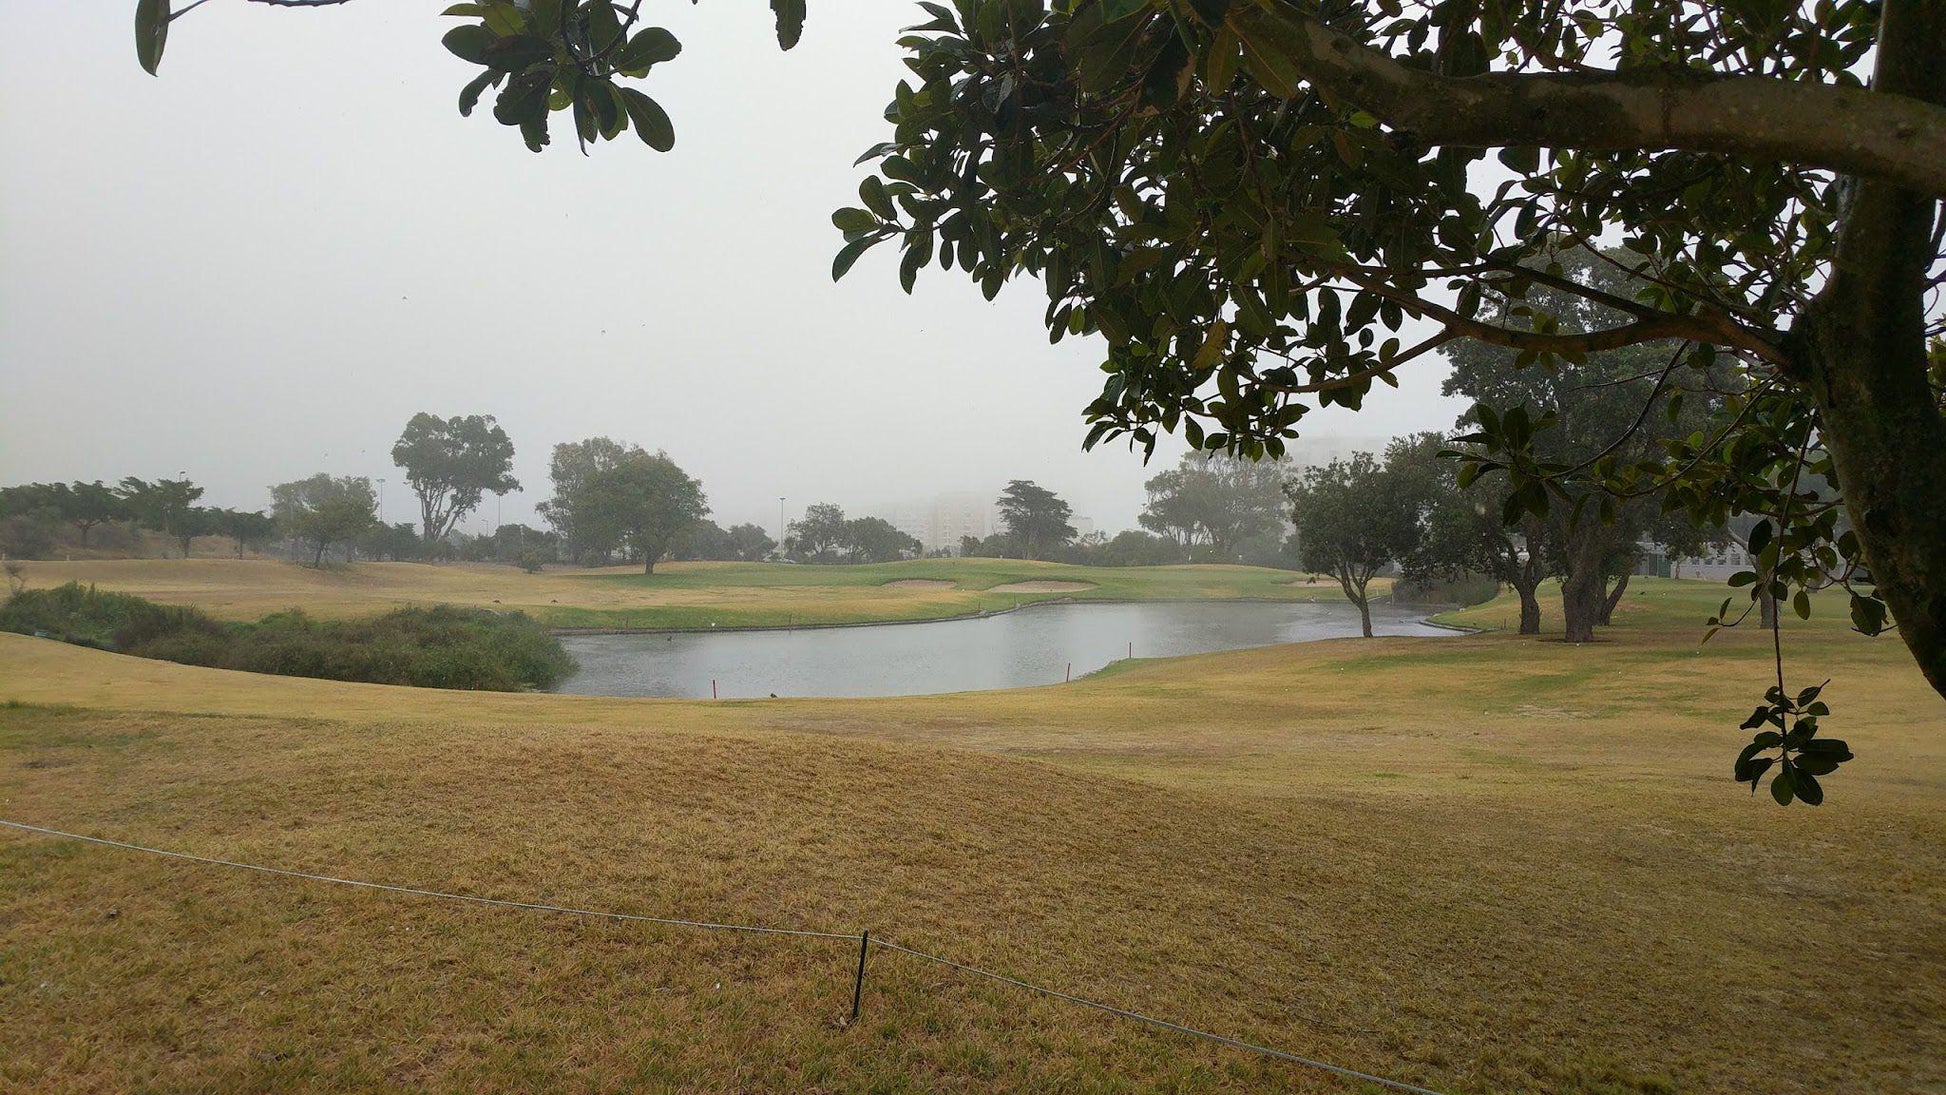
x,y
252,289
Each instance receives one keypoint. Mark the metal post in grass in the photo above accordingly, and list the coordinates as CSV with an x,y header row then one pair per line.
x,y
858,984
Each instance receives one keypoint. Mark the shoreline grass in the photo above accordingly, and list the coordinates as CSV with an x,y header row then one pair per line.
x,y
679,596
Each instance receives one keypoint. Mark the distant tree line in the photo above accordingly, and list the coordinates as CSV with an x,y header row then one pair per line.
x,y
37,519
1401,511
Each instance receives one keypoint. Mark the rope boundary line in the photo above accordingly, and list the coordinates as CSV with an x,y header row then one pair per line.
x,y
864,939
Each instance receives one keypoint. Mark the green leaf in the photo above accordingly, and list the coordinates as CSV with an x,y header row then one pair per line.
x,y
790,21
469,96
1807,789
1802,604
648,48
503,19
1785,784
854,220
468,43
650,120
151,32
849,255
872,193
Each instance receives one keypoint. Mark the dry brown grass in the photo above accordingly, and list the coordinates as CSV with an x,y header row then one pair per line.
x,y
1483,864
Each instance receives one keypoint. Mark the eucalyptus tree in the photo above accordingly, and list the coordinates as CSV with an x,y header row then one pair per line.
x,y
451,464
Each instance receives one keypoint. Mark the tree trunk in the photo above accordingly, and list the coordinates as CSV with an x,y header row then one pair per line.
x,y
1584,585
1860,351
1530,612
1614,598
648,562
1766,603
318,559
1581,603
1364,611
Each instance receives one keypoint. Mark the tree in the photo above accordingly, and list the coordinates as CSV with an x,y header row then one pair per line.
x,y
324,510
1354,517
163,505
397,542
451,464
1132,548
1621,404
750,543
29,521
1267,207
818,535
197,521
85,505
645,498
249,528
574,464
1465,532
1035,518
702,540
1215,501
875,540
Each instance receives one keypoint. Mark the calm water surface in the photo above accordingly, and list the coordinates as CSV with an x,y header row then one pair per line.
x,y
1035,645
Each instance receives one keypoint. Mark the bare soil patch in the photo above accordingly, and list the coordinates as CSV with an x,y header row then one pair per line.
x,y
920,583
1042,587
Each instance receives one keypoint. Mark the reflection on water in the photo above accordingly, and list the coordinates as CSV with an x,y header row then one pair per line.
x,y
1036,645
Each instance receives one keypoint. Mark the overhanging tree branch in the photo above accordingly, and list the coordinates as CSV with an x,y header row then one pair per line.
x,y
1852,131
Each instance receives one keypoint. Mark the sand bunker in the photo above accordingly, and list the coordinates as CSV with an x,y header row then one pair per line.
x,y
919,583
1042,587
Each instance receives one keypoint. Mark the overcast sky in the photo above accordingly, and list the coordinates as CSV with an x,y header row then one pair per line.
x,y
261,264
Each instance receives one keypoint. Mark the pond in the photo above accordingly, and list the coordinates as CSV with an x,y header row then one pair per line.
x,y
1039,644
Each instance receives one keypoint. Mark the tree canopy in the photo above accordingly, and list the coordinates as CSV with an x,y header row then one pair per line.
x,y
451,464
1355,517
640,503
324,510
1035,518
1214,501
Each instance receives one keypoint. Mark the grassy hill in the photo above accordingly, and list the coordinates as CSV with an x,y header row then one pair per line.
x,y
1480,864
678,595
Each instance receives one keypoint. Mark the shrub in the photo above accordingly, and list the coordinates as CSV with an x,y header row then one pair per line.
x,y
86,616
439,647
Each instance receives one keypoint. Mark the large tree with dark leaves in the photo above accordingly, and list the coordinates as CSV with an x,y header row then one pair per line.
x,y
452,463
1620,405
1265,206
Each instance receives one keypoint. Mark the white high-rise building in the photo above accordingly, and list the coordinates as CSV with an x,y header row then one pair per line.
x,y
940,521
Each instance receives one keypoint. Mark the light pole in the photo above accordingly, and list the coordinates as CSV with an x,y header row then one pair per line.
x,y
782,525
381,499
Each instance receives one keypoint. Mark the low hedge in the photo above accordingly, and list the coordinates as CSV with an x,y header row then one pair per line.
x,y
438,647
